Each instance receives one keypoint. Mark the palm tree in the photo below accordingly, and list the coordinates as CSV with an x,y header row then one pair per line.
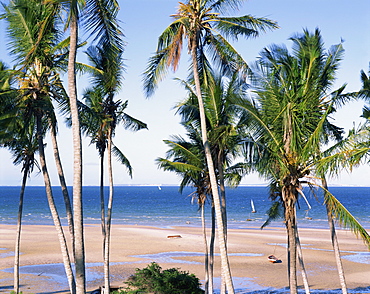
x,y
197,21
100,18
291,108
99,120
186,158
33,30
23,146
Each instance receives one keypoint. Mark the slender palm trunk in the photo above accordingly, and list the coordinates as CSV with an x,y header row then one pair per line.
x,y
63,185
206,256
19,228
102,201
301,262
289,199
223,208
109,217
221,238
222,191
335,244
212,249
53,209
77,159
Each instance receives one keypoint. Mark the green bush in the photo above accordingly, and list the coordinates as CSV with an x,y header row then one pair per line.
x,y
170,281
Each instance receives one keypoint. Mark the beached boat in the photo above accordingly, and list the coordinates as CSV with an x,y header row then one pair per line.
x,y
273,259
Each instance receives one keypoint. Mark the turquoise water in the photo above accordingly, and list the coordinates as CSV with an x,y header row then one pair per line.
x,y
165,206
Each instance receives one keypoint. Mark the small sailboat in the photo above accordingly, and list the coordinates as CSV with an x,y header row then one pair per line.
x,y
253,209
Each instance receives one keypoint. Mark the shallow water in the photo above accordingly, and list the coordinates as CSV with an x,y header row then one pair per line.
x,y
55,272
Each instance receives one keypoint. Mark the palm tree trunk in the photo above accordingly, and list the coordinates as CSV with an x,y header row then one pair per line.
x,y
53,209
290,222
102,201
212,249
109,217
335,244
221,238
63,185
223,191
77,158
223,208
300,258
19,228
206,259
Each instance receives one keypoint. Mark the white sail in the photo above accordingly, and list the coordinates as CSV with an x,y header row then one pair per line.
x,y
253,209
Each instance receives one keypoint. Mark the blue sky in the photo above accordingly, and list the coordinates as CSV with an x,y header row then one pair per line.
x,y
144,20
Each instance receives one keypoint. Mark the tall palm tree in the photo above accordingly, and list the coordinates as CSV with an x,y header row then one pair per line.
x,y
100,119
34,35
291,108
197,21
100,18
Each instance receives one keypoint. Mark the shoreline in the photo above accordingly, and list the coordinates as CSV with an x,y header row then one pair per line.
x,y
135,246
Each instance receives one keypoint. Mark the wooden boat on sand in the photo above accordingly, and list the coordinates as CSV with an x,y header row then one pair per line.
x,y
273,259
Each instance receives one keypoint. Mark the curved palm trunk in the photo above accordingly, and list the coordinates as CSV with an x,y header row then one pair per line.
x,y
212,249
109,217
225,267
300,258
63,185
77,159
289,199
19,228
206,259
335,244
53,210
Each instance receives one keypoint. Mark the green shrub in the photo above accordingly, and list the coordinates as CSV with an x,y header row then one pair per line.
x,y
170,281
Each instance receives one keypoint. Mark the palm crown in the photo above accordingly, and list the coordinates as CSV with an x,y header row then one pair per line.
x,y
206,31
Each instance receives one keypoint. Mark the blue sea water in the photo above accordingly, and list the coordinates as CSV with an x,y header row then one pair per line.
x,y
164,206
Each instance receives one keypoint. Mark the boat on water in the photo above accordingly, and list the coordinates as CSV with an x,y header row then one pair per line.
x,y
253,209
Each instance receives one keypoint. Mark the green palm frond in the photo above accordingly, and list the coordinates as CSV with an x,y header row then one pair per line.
x,y
275,212
345,154
101,19
345,218
245,26
122,159
178,167
155,72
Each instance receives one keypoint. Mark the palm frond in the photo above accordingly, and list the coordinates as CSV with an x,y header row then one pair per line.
x,y
345,218
245,26
122,159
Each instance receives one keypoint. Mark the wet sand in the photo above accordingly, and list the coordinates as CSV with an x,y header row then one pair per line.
x,y
136,246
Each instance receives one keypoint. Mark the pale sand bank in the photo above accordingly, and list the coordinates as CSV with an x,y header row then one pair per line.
x,y
136,246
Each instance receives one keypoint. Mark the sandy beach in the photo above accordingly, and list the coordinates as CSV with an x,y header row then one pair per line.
x,y
136,246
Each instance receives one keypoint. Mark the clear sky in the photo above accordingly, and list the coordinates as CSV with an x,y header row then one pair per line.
x,y
143,21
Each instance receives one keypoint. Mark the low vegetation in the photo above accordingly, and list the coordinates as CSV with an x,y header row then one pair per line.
x,y
153,279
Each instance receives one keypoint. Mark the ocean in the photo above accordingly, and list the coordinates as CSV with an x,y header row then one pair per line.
x,y
164,206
